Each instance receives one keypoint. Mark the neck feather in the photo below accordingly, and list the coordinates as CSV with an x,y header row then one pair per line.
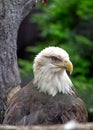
x,y
52,83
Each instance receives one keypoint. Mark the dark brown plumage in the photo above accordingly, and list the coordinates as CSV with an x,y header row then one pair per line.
x,y
51,98
28,107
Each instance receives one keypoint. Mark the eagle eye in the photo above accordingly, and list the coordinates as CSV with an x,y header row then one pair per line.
x,y
55,58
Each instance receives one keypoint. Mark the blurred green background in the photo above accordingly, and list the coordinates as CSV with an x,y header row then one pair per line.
x,y
69,25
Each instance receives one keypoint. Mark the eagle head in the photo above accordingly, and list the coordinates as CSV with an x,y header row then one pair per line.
x,y
49,68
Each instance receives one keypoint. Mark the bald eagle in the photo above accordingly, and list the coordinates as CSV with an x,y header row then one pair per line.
x,y
51,98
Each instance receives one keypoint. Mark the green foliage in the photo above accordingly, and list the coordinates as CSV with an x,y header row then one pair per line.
x,y
85,9
26,67
63,23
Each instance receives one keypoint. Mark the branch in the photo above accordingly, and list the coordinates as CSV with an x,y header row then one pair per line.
x,y
88,126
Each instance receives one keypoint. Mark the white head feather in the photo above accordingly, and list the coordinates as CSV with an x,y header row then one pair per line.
x,y
48,77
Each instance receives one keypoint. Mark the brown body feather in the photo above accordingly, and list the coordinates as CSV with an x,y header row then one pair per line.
x,y
30,107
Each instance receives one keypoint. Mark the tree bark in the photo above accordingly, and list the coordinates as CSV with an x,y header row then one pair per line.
x,y
12,12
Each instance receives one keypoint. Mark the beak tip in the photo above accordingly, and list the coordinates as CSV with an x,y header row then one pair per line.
x,y
70,67
71,72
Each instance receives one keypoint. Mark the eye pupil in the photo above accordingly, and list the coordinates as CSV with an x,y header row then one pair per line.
x,y
53,58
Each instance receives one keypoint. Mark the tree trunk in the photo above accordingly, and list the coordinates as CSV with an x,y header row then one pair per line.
x,y
12,12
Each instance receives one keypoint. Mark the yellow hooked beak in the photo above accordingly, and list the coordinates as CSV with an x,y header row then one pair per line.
x,y
67,64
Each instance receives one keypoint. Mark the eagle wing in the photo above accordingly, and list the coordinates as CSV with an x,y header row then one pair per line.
x,y
18,106
76,111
